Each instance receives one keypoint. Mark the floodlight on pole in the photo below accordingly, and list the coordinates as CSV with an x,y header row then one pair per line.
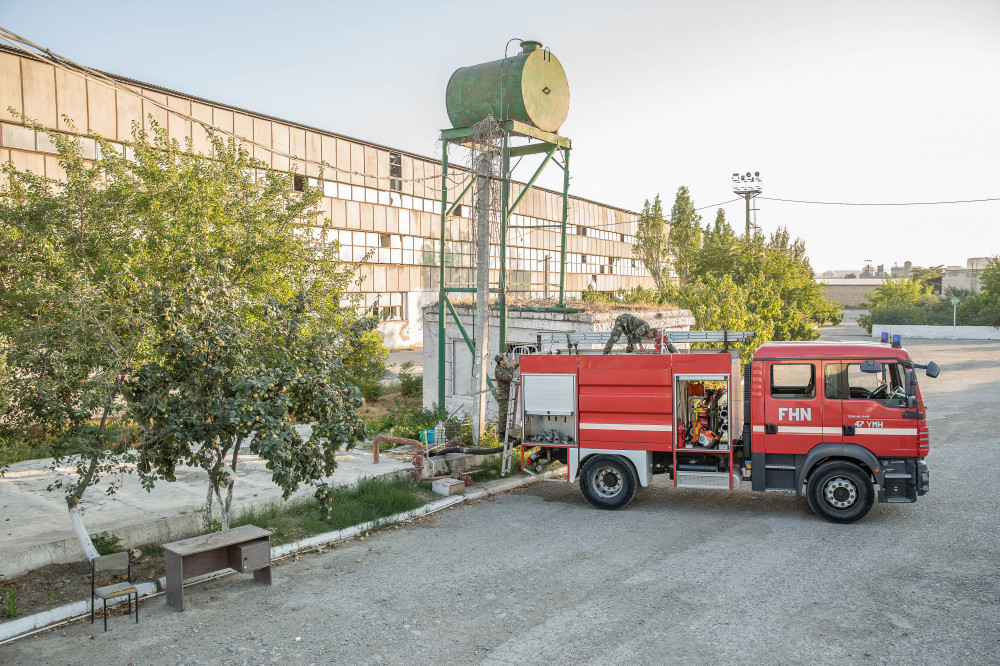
x,y
748,186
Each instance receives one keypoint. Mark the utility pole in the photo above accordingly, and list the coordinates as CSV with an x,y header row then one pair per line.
x,y
748,186
481,331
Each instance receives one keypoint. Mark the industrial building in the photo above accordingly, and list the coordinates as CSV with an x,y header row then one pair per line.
x,y
380,200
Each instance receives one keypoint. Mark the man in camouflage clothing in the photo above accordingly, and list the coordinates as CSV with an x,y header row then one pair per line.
x,y
633,328
504,376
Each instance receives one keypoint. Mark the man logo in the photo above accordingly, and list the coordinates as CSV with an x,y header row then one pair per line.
x,y
795,413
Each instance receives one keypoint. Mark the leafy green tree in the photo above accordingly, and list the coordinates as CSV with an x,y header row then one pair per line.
x,y
221,383
929,277
684,239
989,278
761,284
651,242
851,276
80,257
720,248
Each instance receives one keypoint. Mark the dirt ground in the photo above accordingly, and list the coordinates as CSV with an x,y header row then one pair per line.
x,y
59,584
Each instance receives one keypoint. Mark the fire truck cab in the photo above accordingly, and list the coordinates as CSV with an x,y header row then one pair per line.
x,y
832,419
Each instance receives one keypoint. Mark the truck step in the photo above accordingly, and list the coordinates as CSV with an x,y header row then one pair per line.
x,y
712,480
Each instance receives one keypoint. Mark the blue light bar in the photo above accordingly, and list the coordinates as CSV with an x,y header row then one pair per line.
x,y
897,340
885,337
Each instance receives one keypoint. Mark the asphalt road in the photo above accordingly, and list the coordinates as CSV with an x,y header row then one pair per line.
x,y
538,576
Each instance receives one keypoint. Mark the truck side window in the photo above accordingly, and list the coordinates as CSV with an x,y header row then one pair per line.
x,y
834,386
793,380
885,386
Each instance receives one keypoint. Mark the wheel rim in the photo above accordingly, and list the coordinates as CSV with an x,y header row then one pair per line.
x,y
840,492
608,482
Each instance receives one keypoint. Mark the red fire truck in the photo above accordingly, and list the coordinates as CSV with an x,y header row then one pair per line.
x,y
833,418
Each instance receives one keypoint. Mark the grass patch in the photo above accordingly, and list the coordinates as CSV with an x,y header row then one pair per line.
x,y
369,500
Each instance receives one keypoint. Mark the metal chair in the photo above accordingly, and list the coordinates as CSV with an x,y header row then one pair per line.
x,y
112,563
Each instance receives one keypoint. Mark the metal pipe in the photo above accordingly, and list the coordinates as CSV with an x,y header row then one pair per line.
x,y
504,214
418,456
565,218
529,308
531,182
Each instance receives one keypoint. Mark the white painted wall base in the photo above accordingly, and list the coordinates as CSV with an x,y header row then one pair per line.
x,y
938,332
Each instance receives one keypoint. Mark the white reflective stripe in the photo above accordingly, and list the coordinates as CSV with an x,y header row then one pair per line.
x,y
758,429
626,426
799,430
885,431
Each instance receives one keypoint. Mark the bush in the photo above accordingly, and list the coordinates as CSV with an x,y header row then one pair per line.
x,y
403,421
410,385
931,310
106,543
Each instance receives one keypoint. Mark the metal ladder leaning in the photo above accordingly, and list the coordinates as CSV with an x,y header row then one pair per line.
x,y
511,420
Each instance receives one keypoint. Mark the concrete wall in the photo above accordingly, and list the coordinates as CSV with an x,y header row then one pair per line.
x,y
394,216
850,292
956,277
521,329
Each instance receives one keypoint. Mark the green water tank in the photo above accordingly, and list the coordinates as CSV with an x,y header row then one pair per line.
x,y
530,87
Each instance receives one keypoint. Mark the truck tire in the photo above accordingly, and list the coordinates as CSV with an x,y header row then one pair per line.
x,y
840,492
608,482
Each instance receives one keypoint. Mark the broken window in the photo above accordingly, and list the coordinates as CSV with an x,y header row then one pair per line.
x,y
396,172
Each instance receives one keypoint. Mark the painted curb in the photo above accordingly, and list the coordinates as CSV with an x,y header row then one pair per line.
x,y
20,627
14,628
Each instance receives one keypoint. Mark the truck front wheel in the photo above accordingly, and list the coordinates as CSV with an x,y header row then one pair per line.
x,y
608,482
840,492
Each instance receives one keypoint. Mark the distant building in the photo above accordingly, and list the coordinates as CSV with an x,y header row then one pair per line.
x,y
956,277
850,293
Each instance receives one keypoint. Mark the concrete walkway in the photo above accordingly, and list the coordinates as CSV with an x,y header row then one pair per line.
x,y
35,528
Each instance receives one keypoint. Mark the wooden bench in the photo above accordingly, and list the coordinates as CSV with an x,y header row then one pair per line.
x,y
245,549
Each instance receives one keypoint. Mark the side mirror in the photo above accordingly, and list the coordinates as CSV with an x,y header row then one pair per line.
x,y
910,381
871,367
911,402
933,370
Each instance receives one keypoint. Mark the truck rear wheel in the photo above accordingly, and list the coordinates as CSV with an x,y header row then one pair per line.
x,y
840,492
608,482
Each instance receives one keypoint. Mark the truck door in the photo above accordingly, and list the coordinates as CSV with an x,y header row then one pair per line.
x,y
834,378
874,406
793,416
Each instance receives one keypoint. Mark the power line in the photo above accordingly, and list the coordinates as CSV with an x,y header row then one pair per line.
x,y
905,203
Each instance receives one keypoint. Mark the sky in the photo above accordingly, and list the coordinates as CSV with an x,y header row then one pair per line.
x,y
872,101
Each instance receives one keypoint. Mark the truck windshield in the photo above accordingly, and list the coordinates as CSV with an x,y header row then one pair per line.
x,y
885,386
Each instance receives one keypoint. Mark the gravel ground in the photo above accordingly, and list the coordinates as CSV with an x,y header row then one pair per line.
x,y
537,576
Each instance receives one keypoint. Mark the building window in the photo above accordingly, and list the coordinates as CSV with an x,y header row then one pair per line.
x,y
581,231
583,258
298,183
384,240
458,211
396,172
391,312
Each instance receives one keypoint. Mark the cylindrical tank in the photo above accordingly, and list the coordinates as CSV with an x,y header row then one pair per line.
x,y
530,87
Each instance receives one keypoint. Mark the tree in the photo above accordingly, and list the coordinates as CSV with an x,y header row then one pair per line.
x,y
851,276
720,248
761,284
684,239
651,242
989,278
221,383
80,257
929,278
